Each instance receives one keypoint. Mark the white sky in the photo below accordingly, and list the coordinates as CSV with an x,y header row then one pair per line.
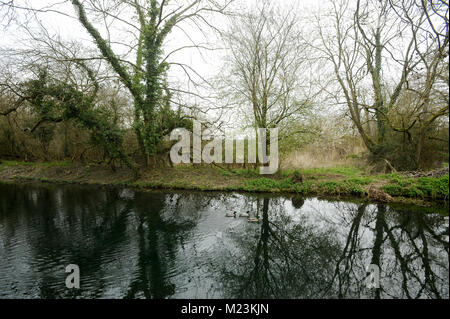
x,y
207,63
70,28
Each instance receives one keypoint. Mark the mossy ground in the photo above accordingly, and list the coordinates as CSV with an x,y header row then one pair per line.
x,y
342,181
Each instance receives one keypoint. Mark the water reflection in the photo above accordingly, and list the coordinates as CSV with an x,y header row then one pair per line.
x,y
180,245
324,252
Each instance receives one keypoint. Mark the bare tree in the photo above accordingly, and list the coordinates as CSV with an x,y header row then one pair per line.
x,y
427,89
372,47
268,67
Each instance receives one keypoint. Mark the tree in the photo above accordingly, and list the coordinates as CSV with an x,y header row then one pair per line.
x,y
146,78
58,102
372,47
429,85
268,67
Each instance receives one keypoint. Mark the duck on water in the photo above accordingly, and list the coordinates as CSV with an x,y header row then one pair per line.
x,y
234,214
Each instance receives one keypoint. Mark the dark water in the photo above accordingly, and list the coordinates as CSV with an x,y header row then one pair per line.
x,y
180,245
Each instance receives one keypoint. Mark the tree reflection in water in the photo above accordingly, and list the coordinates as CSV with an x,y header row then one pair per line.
x,y
321,254
169,245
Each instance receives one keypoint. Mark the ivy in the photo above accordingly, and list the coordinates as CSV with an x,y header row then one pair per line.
x,y
55,102
147,84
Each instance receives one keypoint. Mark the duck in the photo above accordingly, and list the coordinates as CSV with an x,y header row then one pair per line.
x,y
233,214
253,220
246,214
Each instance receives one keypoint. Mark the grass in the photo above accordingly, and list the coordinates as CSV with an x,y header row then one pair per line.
x,y
264,184
350,181
423,187
352,186
344,171
16,163
39,164
330,181
246,172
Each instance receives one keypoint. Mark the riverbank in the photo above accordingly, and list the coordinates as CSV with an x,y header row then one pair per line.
x,y
337,182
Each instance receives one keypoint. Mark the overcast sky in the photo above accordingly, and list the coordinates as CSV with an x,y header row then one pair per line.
x,y
68,27
206,62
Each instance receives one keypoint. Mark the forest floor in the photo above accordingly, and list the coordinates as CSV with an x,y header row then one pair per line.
x,y
342,181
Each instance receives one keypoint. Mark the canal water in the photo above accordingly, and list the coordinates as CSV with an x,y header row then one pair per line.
x,y
136,244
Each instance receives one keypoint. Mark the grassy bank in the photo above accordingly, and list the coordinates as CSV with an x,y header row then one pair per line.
x,y
335,182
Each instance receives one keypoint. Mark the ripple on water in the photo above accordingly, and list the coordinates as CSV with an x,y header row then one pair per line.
x,y
181,245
